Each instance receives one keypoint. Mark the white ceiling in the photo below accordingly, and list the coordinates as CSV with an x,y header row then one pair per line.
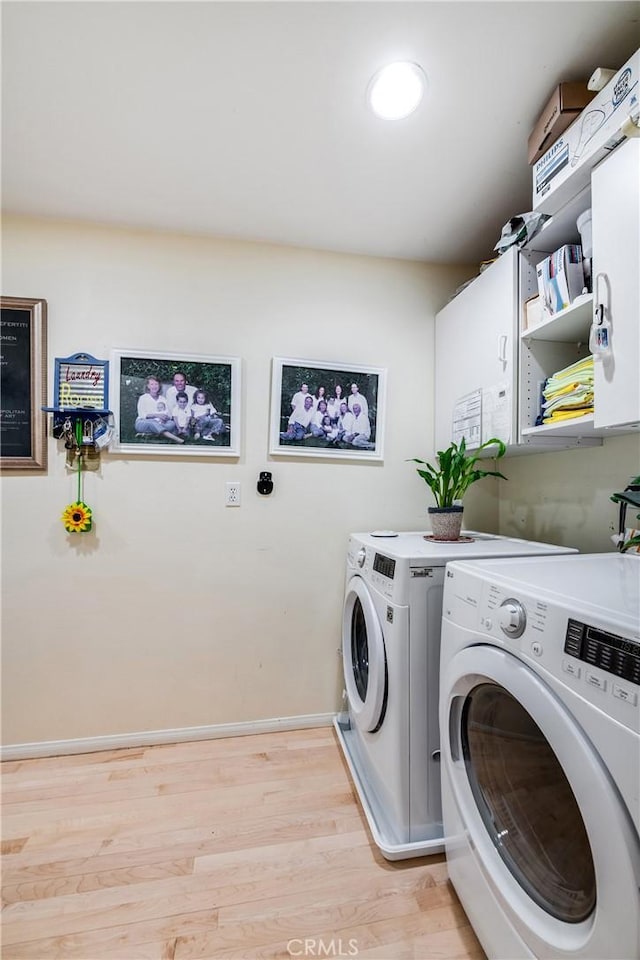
x,y
248,119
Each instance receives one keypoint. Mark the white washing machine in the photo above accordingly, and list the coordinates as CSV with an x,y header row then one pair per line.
x,y
540,683
391,654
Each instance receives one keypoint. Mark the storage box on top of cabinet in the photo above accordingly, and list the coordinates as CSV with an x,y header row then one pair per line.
x,y
566,167
559,112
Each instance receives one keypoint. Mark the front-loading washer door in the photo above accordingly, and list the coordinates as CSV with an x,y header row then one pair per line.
x,y
363,656
544,820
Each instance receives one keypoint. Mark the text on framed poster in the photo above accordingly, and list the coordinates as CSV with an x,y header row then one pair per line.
x,y
23,374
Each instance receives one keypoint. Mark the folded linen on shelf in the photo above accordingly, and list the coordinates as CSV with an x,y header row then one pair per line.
x,y
581,371
579,397
568,393
558,415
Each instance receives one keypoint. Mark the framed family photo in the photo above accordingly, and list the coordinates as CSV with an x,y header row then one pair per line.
x,y
322,409
23,384
175,404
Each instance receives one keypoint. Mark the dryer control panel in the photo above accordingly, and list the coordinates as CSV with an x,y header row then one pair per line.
x,y
607,651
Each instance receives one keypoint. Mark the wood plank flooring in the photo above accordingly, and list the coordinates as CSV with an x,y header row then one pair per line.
x,y
248,847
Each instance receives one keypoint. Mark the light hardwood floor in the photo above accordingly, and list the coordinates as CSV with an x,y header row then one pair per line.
x,y
245,847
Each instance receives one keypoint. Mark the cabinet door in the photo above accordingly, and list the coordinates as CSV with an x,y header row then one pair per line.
x,y
476,351
615,202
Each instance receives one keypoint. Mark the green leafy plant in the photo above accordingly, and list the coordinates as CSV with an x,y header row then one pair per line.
x,y
456,470
629,496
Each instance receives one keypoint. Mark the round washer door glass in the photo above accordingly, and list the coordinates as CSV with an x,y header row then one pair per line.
x,y
364,660
527,804
359,649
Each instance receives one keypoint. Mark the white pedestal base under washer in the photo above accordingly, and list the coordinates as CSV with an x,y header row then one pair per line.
x,y
539,704
391,653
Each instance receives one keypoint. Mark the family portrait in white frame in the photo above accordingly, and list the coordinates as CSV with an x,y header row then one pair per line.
x,y
327,409
175,404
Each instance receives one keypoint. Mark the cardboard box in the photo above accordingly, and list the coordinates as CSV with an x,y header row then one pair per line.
x,y
560,278
562,108
533,313
565,168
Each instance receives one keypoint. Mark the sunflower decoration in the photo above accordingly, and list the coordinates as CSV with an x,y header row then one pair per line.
x,y
77,517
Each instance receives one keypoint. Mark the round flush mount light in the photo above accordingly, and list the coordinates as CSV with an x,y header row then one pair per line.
x,y
396,90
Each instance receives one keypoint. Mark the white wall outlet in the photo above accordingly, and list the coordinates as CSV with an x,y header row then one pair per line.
x,y
232,493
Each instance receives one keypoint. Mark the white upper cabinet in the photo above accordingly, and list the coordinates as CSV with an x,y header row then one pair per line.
x,y
491,365
475,358
615,204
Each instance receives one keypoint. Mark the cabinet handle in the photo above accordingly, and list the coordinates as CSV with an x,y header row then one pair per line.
x,y
599,300
503,350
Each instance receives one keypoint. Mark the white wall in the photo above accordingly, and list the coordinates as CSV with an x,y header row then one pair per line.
x,y
176,611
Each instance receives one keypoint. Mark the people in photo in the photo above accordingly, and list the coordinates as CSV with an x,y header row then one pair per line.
x,y
297,400
316,425
333,403
182,414
344,425
154,418
179,385
360,435
299,422
356,397
207,422
320,394
329,428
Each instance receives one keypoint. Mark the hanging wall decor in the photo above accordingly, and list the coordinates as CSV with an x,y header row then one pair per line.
x,y
80,394
78,516
81,419
176,404
81,382
23,384
327,409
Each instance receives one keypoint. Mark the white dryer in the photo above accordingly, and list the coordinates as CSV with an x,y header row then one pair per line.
x,y
540,683
391,653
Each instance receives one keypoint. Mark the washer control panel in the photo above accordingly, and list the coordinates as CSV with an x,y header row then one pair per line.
x,y
384,565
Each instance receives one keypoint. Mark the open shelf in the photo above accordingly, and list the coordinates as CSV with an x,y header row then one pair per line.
x,y
582,428
69,411
565,428
570,325
562,227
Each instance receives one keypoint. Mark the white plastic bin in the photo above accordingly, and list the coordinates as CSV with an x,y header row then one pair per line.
x,y
583,224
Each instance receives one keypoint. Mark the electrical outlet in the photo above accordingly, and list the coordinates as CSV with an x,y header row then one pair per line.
x,y
232,493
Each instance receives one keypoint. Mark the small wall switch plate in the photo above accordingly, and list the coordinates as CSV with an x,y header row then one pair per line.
x,y
232,493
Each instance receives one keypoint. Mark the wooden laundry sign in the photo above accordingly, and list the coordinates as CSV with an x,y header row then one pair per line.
x,y
81,381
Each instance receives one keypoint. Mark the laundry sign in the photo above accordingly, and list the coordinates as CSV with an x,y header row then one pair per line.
x,y
81,381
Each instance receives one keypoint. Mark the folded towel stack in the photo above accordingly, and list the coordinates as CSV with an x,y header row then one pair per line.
x,y
569,393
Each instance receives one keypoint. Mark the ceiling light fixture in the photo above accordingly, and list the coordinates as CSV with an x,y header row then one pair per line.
x,y
396,90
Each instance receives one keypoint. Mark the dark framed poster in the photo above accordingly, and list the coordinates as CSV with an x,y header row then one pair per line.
x,y
23,384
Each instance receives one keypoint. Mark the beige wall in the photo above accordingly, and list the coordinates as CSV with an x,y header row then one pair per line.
x,y
176,611
563,497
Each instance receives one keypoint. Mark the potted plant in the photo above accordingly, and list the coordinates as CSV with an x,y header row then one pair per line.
x,y
630,496
450,479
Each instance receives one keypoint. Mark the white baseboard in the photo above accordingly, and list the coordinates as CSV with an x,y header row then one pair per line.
x,y
148,738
